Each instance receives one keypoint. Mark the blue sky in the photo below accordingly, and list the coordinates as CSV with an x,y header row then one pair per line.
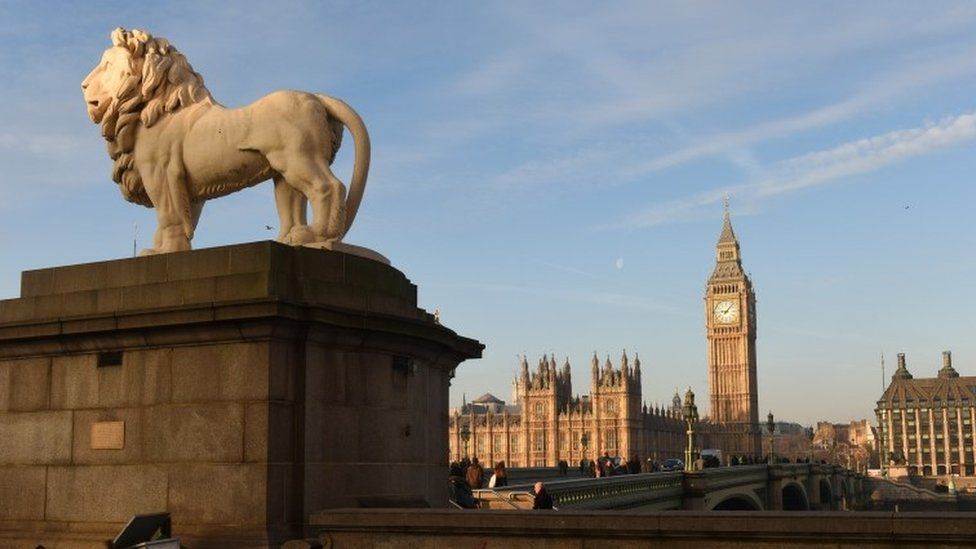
x,y
550,174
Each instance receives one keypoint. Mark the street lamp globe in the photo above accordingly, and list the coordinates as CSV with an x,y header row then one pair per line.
x,y
689,410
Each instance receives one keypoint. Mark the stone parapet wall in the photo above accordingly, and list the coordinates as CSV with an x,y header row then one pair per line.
x,y
579,530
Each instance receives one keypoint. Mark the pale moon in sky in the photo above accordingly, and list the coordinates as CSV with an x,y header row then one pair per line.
x,y
619,263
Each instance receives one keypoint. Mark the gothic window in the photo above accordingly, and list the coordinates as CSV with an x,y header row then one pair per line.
x,y
480,446
611,438
576,440
610,406
496,444
539,441
538,410
563,444
513,443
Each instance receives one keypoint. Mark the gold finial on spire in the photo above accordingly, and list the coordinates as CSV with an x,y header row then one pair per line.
x,y
727,234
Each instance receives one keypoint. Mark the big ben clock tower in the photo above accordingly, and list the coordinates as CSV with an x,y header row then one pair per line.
x,y
730,321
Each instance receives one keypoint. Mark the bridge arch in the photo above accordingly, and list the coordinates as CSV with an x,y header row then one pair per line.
x,y
795,497
742,501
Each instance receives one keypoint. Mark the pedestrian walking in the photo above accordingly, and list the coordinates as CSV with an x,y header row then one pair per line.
x,y
499,478
475,474
542,498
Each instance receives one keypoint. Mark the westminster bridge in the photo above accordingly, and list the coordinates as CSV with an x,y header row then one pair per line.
x,y
774,487
757,506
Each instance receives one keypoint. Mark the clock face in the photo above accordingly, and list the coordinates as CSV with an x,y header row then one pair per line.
x,y
726,312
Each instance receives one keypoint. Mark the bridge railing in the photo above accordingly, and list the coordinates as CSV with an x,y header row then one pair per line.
x,y
720,477
648,490
505,500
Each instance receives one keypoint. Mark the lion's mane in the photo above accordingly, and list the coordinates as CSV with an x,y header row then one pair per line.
x,y
160,81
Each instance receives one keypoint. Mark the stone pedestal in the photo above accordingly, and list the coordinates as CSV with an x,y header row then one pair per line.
x,y
255,384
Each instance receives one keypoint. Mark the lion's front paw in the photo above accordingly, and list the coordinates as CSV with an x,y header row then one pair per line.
x,y
299,235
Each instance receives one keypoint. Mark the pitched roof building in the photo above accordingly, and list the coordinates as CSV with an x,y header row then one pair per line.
x,y
927,424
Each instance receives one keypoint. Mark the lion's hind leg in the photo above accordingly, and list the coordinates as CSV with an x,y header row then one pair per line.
x,y
157,244
291,205
335,224
325,193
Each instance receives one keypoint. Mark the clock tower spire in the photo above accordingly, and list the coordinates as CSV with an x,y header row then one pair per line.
x,y
730,323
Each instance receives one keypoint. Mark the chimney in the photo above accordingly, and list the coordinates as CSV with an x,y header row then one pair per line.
x,y
901,361
947,359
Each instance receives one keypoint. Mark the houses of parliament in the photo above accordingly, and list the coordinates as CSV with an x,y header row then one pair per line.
x,y
546,423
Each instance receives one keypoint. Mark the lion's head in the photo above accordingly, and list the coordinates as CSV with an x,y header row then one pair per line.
x,y
138,80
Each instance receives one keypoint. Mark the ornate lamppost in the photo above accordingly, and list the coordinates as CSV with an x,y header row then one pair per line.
x,y
465,436
690,413
584,442
771,427
882,428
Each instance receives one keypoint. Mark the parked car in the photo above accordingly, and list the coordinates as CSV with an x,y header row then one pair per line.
x,y
673,464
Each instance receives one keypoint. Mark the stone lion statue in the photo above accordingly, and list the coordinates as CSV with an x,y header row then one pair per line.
x,y
173,147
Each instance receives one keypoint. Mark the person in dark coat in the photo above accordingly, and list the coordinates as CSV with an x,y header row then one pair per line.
x,y
542,498
634,465
459,490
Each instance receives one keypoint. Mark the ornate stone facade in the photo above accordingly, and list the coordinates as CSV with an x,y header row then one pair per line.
x,y
548,422
927,424
730,320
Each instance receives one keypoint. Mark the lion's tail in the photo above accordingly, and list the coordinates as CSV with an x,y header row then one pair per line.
x,y
360,168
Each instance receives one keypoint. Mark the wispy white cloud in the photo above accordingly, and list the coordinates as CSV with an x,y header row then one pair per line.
x,y
570,81
581,164
896,84
719,53
817,168
869,154
614,162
